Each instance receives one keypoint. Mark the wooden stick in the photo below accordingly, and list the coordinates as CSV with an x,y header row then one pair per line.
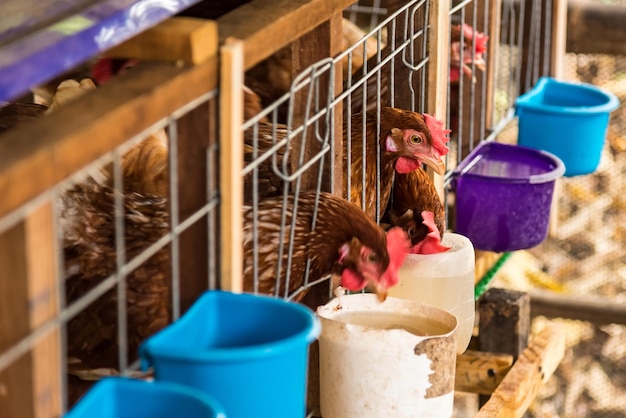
x,y
180,38
529,373
231,163
478,372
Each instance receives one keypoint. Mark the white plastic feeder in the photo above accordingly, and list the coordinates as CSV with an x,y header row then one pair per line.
x,y
444,280
391,359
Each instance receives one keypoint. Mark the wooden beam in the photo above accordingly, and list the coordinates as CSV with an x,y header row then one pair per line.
x,y
595,28
478,372
265,26
180,38
50,149
527,376
595,310
231,164
30,387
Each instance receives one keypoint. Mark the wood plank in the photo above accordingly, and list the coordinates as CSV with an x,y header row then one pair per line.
x,y
479,372
231,164
28,294
322,42
527,376
494,25
180,38
50,149
268,25
193,141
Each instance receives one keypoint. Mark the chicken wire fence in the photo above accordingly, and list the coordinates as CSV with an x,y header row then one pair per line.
x,y
126,240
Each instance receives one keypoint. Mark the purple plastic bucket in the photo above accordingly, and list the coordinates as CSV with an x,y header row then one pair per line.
x,y
503,196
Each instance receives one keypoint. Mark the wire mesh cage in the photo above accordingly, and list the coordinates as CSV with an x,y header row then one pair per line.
x,y
300,149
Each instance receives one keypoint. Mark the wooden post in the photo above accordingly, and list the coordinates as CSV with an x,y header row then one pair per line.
x,y
504,323
559,37
30,387
438,52
231,164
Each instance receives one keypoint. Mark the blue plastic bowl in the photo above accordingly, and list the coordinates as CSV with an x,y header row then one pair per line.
x,y
569,120
504,194
119,397
249,352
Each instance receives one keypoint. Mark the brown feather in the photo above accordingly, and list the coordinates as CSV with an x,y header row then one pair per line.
x,y
413,193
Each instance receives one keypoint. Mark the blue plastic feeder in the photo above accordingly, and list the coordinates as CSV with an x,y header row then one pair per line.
x,y
119,397
504,194
569,120
249,352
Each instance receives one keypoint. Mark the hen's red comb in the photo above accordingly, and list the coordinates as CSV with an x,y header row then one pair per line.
x,y
481,38
438,133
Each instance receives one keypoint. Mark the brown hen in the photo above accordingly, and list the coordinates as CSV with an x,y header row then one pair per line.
x,y
343,240
405,141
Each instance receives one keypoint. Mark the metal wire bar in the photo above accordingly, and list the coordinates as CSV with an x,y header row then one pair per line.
x,y
120,251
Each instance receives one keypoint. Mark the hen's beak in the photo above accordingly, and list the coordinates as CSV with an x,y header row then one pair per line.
x,y
436,163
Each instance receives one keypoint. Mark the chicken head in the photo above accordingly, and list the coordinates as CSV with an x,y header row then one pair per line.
x,y
364,268
461,61
417,147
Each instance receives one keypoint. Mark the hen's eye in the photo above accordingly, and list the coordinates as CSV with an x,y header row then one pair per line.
x,y
372,258
411,231
415,139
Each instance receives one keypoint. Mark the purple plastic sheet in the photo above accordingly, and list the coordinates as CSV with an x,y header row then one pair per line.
x,y
40,40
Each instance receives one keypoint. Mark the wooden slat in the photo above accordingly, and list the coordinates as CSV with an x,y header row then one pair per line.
x,y
48,150
527,376
231,164
30,387
267,25
322,42
478,372
181,38
194,131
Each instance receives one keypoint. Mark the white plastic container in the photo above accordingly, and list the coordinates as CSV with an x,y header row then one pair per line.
x,y
391,359
445,280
